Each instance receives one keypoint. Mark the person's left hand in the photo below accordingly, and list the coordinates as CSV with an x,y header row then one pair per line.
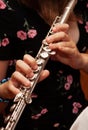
x,y
64,46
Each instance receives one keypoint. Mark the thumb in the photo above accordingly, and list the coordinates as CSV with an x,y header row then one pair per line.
x,y
44,74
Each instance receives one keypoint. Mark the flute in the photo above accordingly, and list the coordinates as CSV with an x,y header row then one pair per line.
x,y
24,98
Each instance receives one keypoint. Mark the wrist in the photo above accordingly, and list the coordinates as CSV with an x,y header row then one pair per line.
x,y
84,62
2,83
4,100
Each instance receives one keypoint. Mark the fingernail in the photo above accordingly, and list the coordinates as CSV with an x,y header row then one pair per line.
x,y
30,75
27,83
35,67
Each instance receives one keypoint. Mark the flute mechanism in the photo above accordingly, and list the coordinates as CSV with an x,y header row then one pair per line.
x,y
42,58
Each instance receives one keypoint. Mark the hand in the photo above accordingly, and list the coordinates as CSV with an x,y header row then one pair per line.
x,y
64,46
27,66
24,70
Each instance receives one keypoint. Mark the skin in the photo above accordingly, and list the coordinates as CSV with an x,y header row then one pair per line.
x,y
66,52
24,69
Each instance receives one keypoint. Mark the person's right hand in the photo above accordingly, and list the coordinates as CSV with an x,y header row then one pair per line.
x,y
24,71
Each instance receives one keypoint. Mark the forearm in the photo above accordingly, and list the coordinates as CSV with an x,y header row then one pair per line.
x,y
84,62
3,90
3,101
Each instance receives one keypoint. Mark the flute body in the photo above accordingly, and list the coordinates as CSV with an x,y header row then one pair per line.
x,y
24,98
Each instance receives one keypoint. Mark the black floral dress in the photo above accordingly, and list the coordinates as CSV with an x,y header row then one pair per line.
x,y
57,100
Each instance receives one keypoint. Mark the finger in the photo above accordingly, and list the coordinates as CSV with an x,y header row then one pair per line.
x,y
13,92
17,78
57,37
60,27
61,46
30,61
10,91
44,74
24,68
60,59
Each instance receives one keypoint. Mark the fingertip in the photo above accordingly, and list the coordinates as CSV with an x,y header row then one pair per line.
x,y
44,74
47,72
27,83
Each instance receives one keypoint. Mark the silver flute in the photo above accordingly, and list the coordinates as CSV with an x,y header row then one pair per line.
x,y
24,98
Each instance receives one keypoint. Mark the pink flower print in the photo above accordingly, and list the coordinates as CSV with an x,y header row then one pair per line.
x,y
69,79
56,125
70,97
75,110
80,21
32,33
86,27
10,62
74,104
34,95
43,111
36,116
84,48
79,105
87,5
2,5
67,86
22,35
5,42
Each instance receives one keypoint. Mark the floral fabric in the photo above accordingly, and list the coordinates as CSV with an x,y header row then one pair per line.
x,y
58,100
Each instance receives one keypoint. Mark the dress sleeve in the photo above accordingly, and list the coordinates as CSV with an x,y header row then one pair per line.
x,y
10,22
5,45
82,10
